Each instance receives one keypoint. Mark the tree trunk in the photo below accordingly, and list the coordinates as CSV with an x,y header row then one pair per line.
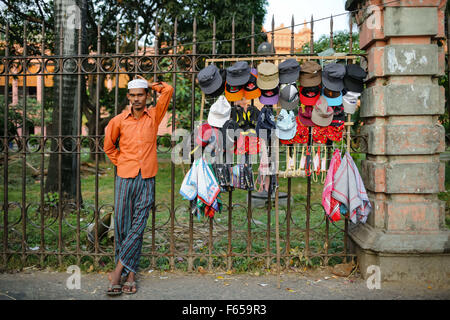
x,y
69,16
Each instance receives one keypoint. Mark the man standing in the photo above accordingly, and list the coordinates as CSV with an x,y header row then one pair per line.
x,y
136,161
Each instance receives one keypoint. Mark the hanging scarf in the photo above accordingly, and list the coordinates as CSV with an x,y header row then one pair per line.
x,y
330,204
349,190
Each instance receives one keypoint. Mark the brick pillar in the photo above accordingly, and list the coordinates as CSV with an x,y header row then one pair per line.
x,y
405,234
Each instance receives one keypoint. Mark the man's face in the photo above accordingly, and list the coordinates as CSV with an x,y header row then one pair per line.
x,y
137,98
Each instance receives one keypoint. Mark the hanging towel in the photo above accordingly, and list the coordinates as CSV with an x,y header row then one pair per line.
x,y
349,190
207,186
189,185
330,204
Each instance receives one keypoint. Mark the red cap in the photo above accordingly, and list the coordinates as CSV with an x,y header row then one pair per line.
x,y
308,100
204,134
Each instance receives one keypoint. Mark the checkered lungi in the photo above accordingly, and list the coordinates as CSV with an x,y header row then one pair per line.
x,y
134,197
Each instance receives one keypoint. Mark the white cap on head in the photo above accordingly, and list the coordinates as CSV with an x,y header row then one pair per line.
x,y
137,84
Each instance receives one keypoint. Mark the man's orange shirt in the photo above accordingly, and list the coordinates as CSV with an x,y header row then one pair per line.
x,y
137,141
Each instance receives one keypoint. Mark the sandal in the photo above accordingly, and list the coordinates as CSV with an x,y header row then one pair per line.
x,y
114,290
130,285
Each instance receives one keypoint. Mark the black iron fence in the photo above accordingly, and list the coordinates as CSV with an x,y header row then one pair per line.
x,y
63,225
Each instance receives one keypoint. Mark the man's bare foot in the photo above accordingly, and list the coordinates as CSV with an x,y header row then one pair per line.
x,y
114,280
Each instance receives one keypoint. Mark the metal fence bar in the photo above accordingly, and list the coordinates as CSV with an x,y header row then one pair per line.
x,y
6,154
42,145
24,148
172,165
311,39
154,99
60,212
331,32
191,218
78,175
97,143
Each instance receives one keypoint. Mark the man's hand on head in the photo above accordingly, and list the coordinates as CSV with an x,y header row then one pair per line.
x,y
156,86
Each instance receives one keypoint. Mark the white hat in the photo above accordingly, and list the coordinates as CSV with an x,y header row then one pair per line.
x,y
137,84
219,112
349,101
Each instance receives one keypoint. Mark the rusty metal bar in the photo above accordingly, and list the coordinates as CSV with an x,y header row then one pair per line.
x,y
172,164
252,43
6,153
269,210
249,222
60,212
273,33
117,67
331,31
211,224
213,37
311,40
42,142
292,35
348,128
24,147
116,106
448,61
230,212
154,185
308,199
232,37
191,218
79,121
97,118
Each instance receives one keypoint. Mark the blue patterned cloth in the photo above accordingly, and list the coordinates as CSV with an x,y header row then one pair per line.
x,y
134,197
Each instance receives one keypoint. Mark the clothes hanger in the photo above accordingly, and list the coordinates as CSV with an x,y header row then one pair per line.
x,y
301,168
323,166
316,162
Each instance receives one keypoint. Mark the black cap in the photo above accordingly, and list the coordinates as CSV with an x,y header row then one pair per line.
x,y
221,89
288,71
209,79
354,78
238,74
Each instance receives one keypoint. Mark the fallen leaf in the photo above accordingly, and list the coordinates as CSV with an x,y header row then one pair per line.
x,y
290,290
226,284
429,287
343,269
91,268
219,278
257,273
201,270
229,272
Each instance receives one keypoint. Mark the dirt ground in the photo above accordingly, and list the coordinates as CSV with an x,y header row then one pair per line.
x,y
319,284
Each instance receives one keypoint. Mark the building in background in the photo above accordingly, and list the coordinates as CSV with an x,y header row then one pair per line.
x,y
282,36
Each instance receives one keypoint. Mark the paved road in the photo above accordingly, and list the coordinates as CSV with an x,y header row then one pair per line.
x,y
316,285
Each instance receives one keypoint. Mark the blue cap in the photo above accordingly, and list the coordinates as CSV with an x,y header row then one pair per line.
x,y
332,102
